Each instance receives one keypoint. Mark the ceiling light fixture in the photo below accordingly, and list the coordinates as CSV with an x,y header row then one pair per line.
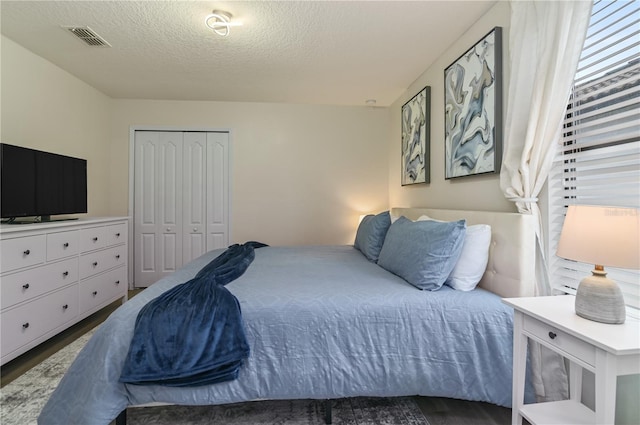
x,y
220,22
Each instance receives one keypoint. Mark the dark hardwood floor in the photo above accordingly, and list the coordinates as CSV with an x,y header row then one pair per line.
x,y
439,411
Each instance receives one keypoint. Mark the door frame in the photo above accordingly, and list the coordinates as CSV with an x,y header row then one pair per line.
x,y
130,209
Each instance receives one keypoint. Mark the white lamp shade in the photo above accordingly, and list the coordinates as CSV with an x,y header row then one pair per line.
x,y
606,236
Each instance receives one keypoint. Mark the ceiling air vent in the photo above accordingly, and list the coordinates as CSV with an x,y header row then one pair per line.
x,y
88,36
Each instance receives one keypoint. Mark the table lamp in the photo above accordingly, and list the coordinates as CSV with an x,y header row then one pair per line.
x,y
603,236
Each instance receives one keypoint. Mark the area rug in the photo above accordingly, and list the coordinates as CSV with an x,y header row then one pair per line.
x,y
22,400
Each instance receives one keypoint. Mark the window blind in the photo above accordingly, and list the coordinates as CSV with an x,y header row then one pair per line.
x,y
599,160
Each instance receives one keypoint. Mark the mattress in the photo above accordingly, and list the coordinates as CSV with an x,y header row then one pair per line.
x,y
322,322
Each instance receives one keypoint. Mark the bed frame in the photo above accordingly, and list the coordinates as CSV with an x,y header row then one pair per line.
x,y
511,266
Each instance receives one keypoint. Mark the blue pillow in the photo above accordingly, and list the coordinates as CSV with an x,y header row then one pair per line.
x,y
423,252
371,233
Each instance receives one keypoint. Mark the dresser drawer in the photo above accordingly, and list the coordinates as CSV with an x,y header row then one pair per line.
x,y
22,252
93,238
116,234
30,321
62,244
97,262
22,286
102,288
566,343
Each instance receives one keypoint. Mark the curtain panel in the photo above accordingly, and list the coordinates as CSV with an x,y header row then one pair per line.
x,y
545,42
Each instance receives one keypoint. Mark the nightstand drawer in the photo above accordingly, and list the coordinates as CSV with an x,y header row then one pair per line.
x,y
561,340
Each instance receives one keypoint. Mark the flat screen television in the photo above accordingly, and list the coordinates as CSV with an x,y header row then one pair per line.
x,y
40,184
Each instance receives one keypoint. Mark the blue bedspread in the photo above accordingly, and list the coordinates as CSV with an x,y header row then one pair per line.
x,y
322,322
193,334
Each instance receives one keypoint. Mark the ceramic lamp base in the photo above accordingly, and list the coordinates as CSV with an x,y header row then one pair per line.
x,y
599,299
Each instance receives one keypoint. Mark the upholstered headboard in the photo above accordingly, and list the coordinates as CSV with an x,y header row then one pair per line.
x,y
510,271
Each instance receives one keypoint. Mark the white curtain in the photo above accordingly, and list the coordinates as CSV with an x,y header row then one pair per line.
x,y
545,43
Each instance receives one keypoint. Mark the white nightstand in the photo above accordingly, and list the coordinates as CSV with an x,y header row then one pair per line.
x,y
606,350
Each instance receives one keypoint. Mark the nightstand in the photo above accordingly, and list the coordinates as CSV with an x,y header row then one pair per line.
x,y
606,350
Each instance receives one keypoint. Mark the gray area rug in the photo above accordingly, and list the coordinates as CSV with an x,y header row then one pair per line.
x,y
22,400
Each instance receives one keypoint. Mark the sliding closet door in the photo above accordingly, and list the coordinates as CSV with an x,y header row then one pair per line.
x,y
158,205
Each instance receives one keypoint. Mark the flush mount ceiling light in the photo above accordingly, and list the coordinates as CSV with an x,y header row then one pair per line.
x,y
220,22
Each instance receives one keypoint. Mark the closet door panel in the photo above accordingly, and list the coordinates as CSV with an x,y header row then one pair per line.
x,y
158,201
170,202
217,190
195,193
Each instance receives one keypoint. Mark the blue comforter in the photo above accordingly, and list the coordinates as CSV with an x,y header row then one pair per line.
x,y
192,334
322,322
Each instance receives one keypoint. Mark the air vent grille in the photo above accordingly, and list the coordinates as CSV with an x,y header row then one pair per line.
x,y
88,36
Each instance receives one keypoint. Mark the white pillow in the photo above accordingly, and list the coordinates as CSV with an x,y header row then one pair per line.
x,y
473,259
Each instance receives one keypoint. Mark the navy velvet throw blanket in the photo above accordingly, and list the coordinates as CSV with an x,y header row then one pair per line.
x,y
192,334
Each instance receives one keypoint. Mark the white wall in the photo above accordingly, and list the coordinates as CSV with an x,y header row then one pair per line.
x,y
301,174
46,108
474,192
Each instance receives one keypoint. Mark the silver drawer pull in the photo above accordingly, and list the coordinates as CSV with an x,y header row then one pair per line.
x,y
66,306
552,335
65,245
25,325
26,252
25,286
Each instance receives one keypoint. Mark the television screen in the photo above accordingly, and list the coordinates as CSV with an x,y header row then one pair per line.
x,y
37,183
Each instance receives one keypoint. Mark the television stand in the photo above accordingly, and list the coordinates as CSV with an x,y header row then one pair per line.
x,y
55,274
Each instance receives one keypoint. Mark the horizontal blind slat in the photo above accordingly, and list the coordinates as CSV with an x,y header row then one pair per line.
x,y
599,160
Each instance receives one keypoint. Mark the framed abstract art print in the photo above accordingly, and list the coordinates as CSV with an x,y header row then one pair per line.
x,y
416,130
473,109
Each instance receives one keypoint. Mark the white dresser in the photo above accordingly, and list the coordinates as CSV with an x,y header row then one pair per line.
x,y
55,274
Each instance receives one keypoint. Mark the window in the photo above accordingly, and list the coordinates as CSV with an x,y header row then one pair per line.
x,y
599,161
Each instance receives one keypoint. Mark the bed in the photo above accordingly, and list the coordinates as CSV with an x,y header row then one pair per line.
x,y
325,322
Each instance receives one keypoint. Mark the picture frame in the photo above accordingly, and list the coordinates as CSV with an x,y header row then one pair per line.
x,y
416,130
473,109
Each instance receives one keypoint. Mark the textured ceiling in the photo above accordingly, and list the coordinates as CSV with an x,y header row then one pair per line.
x,y
320,52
